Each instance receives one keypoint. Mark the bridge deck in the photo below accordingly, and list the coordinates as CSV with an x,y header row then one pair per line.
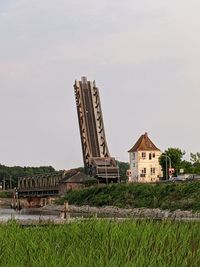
x,y
38,192
94,145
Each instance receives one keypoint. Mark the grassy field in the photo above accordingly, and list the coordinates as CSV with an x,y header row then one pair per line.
x,y
184,196
101,243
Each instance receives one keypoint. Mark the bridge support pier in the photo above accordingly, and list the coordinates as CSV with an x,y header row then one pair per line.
x,y
39,201
33,202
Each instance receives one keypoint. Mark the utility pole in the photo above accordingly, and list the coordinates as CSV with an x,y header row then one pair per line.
x,y
4,183
10,182
166,167
170,164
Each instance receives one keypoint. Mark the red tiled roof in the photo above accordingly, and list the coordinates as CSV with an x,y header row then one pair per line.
x,y
75,176
144,143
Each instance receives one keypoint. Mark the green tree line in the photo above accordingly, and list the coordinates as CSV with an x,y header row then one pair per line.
x,y
11,174
178,163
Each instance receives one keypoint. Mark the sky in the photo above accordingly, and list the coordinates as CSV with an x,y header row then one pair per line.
x,y
144,56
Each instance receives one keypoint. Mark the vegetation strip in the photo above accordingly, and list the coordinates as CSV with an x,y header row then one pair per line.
x,y
170,196
101,243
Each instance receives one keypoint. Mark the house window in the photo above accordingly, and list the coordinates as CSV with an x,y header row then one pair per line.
x,y
153,171
150,156
154,155
143,155
133,156
143,172
133,165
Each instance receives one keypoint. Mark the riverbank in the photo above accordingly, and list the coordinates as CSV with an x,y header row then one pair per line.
x,y
115,212
76,212
55,214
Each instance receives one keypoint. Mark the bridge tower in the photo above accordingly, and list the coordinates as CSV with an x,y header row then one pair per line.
x,y
96,156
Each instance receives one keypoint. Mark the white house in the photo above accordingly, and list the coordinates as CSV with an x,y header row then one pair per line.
x,y
144,163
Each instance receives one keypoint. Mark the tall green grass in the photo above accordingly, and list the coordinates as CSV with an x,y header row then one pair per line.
x,y
184,196
101,243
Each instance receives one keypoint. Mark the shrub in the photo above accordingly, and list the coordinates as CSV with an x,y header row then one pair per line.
x,y
168,196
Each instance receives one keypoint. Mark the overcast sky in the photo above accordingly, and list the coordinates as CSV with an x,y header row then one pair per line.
x,y
144,56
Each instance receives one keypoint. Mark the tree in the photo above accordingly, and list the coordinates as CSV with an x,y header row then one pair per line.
x,y
11,174
123,167
187,166
195,159
176,155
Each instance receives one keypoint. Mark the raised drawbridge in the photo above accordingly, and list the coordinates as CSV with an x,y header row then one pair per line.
x,y
96,156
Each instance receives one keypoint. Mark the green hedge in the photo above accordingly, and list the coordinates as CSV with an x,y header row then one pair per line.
x,y
184,196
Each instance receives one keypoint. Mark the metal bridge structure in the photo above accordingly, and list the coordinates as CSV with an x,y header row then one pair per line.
x,y
40,185
37,190
98,162
96,157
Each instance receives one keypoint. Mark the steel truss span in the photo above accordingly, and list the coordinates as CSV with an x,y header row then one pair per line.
x,y
96,156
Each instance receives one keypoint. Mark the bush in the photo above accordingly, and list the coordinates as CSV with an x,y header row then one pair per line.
x,y
167,196
5,194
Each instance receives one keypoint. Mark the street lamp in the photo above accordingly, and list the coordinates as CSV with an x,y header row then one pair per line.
x,y
170,164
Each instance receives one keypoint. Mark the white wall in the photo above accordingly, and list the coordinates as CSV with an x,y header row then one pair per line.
x,y
139,164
